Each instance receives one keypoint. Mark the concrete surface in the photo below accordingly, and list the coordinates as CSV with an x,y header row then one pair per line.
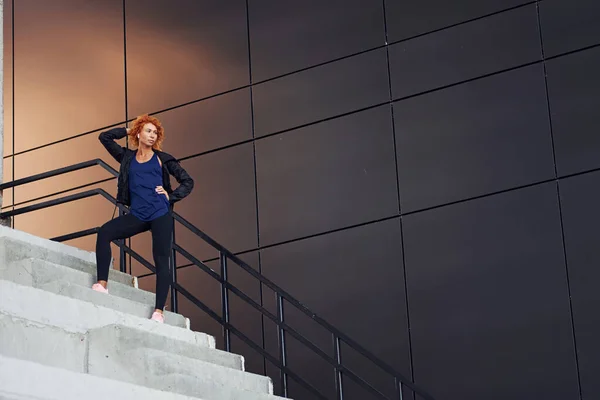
x,y
37,272
114,340
24,380
175,383
74,315
42,343
109,301
148,367
23,247
38,242
76,284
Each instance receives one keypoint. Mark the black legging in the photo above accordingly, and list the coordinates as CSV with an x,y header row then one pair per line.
x,y
128,225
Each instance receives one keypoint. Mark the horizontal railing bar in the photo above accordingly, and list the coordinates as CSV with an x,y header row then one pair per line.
x,y
59,171
201,234
62,200
60,192
366,385
211,272
50,203
75,235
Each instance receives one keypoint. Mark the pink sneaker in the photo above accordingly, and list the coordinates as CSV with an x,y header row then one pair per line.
x,y
158,317
99,288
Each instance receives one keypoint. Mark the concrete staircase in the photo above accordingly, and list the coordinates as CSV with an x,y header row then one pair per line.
x,y
61,340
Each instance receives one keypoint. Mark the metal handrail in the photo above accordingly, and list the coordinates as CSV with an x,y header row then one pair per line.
x,y
224,254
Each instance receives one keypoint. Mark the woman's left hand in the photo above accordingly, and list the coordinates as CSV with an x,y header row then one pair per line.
x,y
161,190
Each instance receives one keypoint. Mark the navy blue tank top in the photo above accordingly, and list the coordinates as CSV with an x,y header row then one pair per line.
x,y
146,204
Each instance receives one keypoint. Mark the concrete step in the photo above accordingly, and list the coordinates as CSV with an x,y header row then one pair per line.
x,y
113,302
73,315
37,241
177,383
113,341
23,246
36,272
42,343
25,380
145,366
30,341
77,284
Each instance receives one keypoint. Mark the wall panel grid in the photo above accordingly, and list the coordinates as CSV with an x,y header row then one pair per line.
x,y
319,131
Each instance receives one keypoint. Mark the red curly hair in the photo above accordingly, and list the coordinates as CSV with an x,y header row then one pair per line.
x,y
138,125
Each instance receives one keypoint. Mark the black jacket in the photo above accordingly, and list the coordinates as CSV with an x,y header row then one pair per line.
x,y
170,165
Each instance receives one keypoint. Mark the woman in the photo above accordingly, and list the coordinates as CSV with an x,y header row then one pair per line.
x,y
144,186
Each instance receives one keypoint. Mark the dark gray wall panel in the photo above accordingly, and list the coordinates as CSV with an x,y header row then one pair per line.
x,y
466,51
68,69
326,176
288,35
183,50
489,305
322,92
222,204
574,93
364,265
410,18
208,124
580,196
483,136
569,25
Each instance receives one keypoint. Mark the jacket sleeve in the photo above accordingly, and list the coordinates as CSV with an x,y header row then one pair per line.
x,y
108,138
186,183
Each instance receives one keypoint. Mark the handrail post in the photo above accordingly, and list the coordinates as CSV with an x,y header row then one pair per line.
x,y
282,347
173,264
339,388
398,385
225,301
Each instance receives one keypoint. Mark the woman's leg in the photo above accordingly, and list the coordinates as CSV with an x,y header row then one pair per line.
x,y
162,233
118,228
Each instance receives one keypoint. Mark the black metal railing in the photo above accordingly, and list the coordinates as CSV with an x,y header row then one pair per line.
x,y
282,297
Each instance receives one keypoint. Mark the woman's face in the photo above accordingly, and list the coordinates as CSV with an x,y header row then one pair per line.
x,y
148,135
